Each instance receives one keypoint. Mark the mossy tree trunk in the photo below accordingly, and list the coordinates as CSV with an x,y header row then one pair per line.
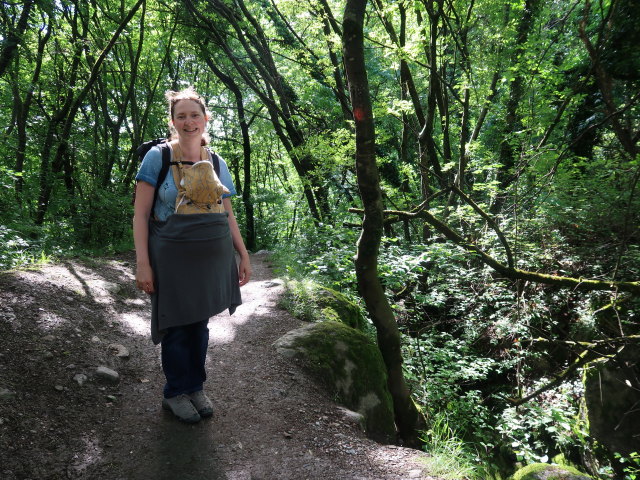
x,y
407,417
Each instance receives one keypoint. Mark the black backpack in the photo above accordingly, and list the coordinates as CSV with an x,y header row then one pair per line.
x,y
162,143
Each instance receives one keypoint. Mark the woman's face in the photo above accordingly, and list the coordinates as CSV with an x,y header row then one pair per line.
x,y
188,119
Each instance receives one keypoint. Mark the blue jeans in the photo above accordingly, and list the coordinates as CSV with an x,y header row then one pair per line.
x,y
184,351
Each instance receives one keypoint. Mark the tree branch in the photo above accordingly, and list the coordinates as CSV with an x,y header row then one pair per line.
x,y
511,272
585,357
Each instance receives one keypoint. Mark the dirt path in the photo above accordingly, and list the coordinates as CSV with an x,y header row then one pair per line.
x,y
270,422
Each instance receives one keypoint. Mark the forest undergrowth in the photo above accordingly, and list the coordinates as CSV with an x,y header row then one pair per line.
x,y
473,342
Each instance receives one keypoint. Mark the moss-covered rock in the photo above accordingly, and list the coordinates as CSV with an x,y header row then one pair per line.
x,y
313,302
544,471
346,362
336,306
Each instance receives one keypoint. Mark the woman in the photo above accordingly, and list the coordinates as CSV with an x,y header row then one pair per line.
x,y
186,262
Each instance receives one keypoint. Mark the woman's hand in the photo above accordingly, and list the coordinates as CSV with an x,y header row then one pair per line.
x,y
144,278
244,270
142,211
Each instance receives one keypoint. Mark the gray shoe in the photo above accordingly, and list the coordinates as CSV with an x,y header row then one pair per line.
x,y
202,403
182,408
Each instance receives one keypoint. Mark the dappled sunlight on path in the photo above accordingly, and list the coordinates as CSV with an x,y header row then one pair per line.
x,y
223,328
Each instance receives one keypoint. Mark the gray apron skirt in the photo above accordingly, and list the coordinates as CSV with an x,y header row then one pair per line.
x,y
195,271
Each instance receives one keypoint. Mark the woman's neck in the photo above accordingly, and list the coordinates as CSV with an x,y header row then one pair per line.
x,y
190,150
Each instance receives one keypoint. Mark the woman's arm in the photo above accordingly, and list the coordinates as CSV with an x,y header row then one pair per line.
x,y
244,269
141,213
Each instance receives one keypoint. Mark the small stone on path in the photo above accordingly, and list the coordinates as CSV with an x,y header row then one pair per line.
x,y
118,350
107,374
112,288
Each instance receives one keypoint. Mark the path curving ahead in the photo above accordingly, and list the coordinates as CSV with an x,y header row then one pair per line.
x,y
270,421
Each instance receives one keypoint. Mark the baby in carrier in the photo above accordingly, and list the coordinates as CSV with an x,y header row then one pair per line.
x,y
199,188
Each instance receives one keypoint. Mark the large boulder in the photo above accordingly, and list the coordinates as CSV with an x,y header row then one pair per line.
x,y
323,303
612,396
544,471
336,306
350,366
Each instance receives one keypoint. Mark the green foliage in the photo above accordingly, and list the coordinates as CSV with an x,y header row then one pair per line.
x,y
442,371
449,457
545,426
630,464
17,251
325,253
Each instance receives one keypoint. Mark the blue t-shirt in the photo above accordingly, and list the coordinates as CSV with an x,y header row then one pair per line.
x,y
167,193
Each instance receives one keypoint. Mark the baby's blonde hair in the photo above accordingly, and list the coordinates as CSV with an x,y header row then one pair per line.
x,y
188,93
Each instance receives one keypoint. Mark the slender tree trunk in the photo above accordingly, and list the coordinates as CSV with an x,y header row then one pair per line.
x,y
426,143
24,108
409,124
408,419
271,87
49,144
250,230
247,200
513,123
10,44
127,98
340,90
622,127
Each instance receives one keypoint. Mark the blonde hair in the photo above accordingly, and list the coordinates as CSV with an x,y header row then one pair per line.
x,y
187,94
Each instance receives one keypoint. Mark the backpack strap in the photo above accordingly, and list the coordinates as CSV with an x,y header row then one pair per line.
x,y
215,159
164,169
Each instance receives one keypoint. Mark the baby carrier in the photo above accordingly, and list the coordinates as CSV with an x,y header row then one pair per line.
x,y
199,188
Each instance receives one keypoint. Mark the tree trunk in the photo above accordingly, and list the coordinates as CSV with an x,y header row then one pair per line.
x,y
10,44
127,98
408,419
260,74
513,122
250,230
